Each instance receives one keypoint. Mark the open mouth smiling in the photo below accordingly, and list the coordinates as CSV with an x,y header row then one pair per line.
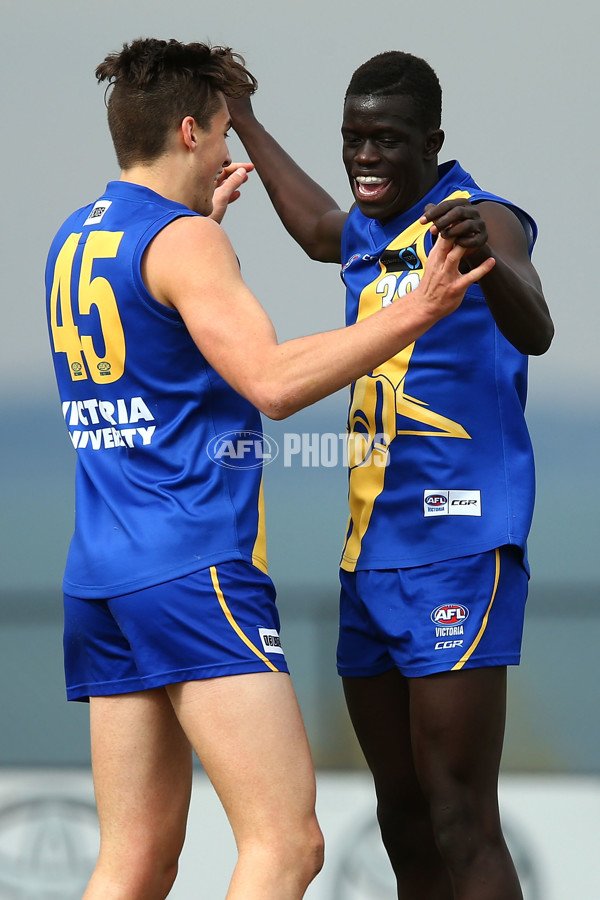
x,y
370,187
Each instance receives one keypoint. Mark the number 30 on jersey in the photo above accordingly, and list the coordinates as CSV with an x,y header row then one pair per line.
x,y
82,355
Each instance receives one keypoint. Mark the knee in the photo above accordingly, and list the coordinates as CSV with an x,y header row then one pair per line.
x,y
405,830
462,830
315,851
450,824
143,869
292,855
305,851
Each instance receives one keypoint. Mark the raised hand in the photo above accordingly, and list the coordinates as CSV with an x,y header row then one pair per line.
x,y
227,187
443,285
459,221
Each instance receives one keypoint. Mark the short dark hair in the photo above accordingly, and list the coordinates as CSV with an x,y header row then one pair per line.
x,y
396,72
156,84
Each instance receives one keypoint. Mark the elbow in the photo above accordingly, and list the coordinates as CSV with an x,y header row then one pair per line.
x,y
532,341
275,411
541,343
319,253
276,404
271,389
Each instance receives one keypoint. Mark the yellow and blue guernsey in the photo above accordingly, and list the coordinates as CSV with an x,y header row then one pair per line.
x,y
168,478
440,460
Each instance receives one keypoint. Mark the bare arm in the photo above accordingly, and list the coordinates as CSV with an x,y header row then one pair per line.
x,y
512,289
191,266
308,213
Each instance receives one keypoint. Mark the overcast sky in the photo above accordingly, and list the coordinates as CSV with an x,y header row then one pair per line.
x,y
520,83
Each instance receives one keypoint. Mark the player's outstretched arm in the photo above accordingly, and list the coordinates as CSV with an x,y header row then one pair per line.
x,y
191,266
512,289
308,213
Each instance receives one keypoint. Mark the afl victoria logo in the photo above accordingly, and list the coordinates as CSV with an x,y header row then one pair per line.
x,y
48,848
436,500
450,614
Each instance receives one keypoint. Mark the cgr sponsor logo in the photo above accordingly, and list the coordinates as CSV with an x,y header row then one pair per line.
x,y
451,503
447,645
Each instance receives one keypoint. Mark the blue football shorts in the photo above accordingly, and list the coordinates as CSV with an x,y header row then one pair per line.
x,y
456,614
218,621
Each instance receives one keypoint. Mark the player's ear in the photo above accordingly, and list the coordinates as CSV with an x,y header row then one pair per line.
x,y
188,132
433,143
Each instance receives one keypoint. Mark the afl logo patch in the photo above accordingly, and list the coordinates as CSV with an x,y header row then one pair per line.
x,y
436,500
450,614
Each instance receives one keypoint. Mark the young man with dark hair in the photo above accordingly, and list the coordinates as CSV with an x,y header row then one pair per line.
x,y
160,350
434,570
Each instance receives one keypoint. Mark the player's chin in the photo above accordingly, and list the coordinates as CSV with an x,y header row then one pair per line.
x,y
383,207
381,211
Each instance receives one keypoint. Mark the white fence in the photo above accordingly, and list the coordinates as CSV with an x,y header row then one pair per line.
x,y
49,837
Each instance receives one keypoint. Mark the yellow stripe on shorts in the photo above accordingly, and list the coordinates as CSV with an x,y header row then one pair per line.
x,y
481,631
233,623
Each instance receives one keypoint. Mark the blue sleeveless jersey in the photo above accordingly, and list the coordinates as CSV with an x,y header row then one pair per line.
x,y
440,458
157,495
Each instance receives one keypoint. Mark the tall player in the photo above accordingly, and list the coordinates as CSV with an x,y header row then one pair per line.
x,y
434,571
171,629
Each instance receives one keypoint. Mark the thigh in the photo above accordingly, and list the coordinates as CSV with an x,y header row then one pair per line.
x,y
142,768
249,736
457,729
379,708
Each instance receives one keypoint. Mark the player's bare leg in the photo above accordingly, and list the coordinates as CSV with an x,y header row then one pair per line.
x,y
249,735
457,728
142,765
438,746
379,709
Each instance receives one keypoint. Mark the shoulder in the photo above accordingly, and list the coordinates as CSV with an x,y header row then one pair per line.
x,y
190,239
504,218
189,252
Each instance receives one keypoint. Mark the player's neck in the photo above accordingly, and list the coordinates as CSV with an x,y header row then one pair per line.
x,y
159,178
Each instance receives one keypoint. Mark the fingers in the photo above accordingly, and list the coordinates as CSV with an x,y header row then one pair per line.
x,y
227,188
477,273
450,210
445,248
233,179
229,181
231,171
458,220
447,255
239,107
236,167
